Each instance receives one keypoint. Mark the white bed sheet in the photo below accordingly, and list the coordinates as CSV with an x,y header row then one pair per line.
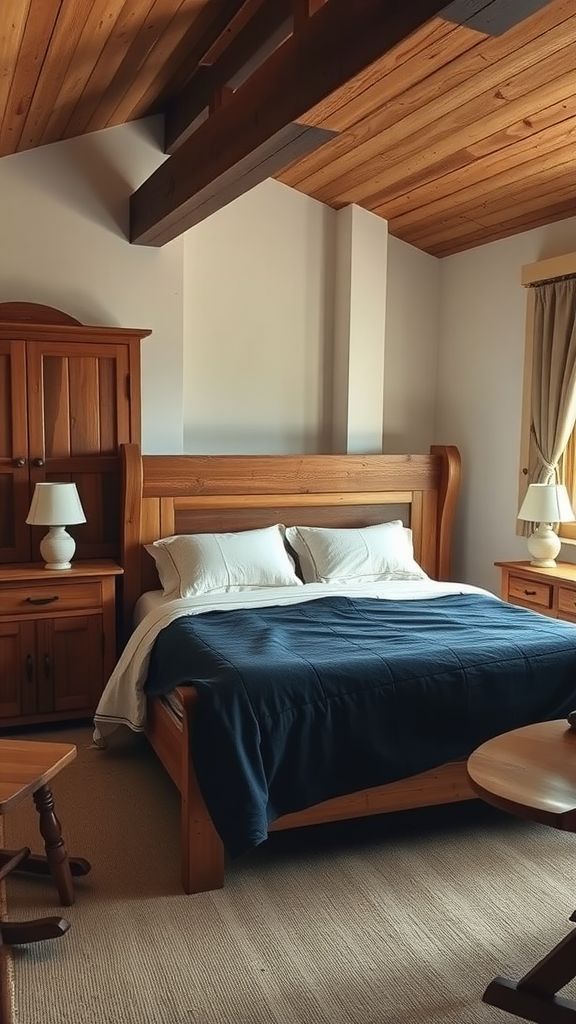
x,y
123,701
148,602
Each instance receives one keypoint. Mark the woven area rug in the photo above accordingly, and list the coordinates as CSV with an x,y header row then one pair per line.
x,y
385,921
6,972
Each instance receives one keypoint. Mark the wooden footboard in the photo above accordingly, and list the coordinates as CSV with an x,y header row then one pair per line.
x,y
202,852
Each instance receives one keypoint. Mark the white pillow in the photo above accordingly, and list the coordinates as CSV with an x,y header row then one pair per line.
x,y
204,563
365,555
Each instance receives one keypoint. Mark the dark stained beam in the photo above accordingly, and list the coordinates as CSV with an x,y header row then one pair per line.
x,y
208,30
304,9
195,97
336,44
291,143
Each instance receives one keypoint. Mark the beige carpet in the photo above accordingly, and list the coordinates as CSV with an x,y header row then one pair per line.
x,y
392,921
6,971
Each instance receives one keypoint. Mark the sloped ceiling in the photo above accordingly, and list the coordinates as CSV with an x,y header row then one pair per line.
x,y
456,123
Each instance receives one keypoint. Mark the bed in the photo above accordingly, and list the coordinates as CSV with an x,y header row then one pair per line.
x,y
183,499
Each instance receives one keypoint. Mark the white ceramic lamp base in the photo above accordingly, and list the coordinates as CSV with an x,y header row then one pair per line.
x,y
543,546
57,548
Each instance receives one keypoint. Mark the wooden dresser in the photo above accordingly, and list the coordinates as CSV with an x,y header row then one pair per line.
x,y
69,397
550,591
57,640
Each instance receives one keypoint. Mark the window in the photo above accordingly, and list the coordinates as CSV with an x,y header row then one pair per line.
x,y
548,445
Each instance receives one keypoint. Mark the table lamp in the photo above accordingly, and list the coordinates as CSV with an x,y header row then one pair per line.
x,y
545,504
56,505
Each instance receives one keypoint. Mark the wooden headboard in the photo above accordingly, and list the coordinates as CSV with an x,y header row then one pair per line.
x,y
175,494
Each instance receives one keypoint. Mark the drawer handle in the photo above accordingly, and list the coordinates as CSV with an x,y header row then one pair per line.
x,y
530,593
42,600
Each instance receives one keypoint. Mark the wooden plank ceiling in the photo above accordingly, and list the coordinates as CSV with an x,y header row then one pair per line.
x,y
462,132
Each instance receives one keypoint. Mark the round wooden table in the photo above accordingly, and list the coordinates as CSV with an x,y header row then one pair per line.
x,y
531,772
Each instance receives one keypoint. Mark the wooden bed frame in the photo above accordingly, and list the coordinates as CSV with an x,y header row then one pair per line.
x,y
175,494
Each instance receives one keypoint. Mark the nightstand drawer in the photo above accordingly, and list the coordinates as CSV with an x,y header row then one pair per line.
x,y
538,594
567,601
52,596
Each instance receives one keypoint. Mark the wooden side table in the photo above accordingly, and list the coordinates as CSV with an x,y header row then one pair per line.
x,y
57,639
531,772
26,769
549,591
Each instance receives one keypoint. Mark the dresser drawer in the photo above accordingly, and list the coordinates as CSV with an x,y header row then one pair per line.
x,y
567,602
51,596
539,595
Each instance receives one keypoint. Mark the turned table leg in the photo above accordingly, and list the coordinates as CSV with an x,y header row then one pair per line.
x,y
56,852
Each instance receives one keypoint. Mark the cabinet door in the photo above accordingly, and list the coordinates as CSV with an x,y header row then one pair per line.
x,y
79,399
14,479
70,663
78,414
17,669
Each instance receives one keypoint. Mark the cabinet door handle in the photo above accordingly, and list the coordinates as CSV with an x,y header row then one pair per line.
x,y
47,666
530,593
43,600
29,668
38,462
20,462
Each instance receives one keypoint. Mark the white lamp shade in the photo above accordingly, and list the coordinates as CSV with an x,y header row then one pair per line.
x,y
55,504
547,503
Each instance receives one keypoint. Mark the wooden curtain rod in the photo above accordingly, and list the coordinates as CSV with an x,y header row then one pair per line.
x,y
551,280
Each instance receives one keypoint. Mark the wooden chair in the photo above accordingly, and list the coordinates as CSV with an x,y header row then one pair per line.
x,y
531,772
26,768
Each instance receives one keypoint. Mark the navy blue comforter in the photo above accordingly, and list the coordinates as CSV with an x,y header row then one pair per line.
x,y
305,702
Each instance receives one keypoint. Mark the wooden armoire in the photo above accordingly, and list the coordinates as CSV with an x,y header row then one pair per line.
x,y
69,396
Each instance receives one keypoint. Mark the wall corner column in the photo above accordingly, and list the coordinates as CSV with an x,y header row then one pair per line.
x,y
359,330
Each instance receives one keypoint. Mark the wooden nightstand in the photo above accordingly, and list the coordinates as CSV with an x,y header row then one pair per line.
x,y
57,639
550,591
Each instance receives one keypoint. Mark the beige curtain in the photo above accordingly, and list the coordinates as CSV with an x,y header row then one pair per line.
x,y
553,375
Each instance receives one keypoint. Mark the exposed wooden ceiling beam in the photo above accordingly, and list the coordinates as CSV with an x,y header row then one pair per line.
x,y
182,112
332,47
290,143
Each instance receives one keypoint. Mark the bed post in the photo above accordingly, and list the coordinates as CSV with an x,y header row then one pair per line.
x,y
202,850
449,486
132,485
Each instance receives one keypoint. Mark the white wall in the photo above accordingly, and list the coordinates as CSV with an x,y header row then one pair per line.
x,y
412,337
359,330
63,242
287,350
480,372
258,316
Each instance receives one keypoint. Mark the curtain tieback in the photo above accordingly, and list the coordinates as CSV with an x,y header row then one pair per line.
x,y
550,467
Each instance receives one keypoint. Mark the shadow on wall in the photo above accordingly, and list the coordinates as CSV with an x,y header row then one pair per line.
x,y
81,174
80,303
246,442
